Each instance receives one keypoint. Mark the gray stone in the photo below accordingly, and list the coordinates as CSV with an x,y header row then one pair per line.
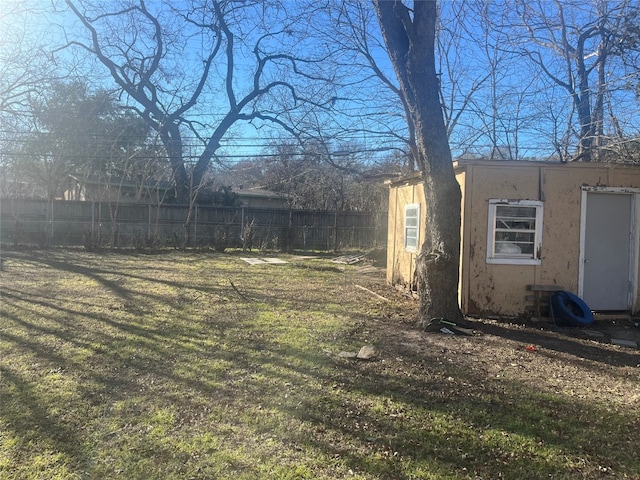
x,y
367,352
347,355
624,343
593,333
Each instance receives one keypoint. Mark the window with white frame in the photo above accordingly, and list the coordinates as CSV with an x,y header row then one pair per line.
x,y
515,232
411,226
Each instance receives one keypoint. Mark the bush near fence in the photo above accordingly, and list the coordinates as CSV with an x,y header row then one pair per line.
x,y
99,225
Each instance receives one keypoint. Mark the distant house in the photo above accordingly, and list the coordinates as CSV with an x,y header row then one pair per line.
x,y
115,189
259,198
573,226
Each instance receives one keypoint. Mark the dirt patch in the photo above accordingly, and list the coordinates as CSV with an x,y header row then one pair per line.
x,y
574,361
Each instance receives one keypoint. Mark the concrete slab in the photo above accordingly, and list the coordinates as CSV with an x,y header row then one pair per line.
x,y
263,261
593,333
275,261
624,343
252,261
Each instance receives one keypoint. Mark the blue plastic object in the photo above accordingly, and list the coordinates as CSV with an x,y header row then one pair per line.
x,y
570,310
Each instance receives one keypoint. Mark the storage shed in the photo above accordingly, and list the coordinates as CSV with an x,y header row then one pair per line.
x,y
530,226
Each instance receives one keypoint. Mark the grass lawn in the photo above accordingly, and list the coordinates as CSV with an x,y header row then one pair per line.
x,y
199,366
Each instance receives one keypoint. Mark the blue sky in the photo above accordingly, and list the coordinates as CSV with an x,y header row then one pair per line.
x,y
521,113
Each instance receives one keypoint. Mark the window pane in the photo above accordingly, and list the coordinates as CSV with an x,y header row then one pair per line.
x,y
514,231
527,249
515,211
517,237
411,237
411,226
508,248
512,248
515,224
515,217
411,212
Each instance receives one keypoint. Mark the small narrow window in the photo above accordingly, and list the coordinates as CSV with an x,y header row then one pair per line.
x,y
515,232
411,226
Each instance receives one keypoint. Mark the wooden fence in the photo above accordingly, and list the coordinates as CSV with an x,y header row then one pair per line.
x,y
98,225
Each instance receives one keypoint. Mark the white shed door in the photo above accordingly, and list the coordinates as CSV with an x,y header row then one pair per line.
x,y
607,251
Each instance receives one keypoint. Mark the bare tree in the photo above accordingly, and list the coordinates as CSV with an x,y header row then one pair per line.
x,y
356,31
200,67
572,44
25,67
485,89
461,43
312,176
410,37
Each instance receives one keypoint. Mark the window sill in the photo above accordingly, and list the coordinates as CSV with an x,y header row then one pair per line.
x,y
514,261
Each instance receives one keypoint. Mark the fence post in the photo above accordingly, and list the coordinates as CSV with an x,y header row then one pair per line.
x,y
51,224
335,232
195,228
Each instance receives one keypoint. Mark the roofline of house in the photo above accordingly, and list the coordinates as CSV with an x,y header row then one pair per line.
x,y
259,194
461,165
108,181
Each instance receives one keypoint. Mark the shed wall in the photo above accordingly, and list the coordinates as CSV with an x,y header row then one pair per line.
x,y
400,262
491,288
496,289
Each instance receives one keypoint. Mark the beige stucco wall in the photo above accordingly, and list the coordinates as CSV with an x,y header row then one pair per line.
x,y
401,263
495,289
490,288
502,289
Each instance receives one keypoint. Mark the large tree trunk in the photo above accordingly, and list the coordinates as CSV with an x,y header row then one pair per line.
x,y
438,263
410,41
439,260
172,142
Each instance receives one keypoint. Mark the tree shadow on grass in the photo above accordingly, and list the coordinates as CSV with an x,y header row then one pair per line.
x,y
29,420
571,345
404,416
244,288
396,424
